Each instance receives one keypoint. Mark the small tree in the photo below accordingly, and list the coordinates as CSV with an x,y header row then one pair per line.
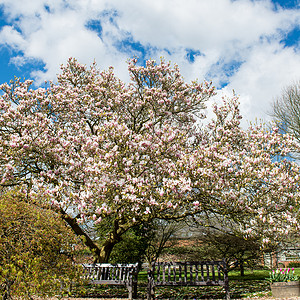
x,y
35,249
238,251
161,237
212,240
286,110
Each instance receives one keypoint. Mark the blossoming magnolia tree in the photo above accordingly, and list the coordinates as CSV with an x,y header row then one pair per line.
x,y
97,147
253,191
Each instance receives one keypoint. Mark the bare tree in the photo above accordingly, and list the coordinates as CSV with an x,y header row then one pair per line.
x,y
162,232
286,110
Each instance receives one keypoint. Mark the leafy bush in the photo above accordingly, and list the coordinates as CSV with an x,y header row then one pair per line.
x,y
35,249
131,248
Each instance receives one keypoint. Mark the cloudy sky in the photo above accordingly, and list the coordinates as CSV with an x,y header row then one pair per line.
x,y
251,46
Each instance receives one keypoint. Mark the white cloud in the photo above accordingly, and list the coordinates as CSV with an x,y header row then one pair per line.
x,y
243,31
54,34
213,25
11,37
268,69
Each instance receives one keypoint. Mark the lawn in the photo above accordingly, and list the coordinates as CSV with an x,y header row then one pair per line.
x,y
253,284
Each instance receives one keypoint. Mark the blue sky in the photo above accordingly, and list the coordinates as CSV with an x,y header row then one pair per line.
x,y
251,46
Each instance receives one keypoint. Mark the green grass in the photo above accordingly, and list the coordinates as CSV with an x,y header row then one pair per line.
x,y
254,275
249,275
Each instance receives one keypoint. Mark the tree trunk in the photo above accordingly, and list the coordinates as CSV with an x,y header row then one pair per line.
x,y
100,254
106,250
242,269
112,240
72,222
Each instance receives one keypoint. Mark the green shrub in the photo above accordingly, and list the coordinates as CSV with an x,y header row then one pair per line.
x,y
35,249
131,248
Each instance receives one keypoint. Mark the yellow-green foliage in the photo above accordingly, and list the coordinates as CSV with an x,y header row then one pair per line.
x,y
35,249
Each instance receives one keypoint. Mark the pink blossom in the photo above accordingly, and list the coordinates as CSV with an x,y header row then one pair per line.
x,y
134,151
